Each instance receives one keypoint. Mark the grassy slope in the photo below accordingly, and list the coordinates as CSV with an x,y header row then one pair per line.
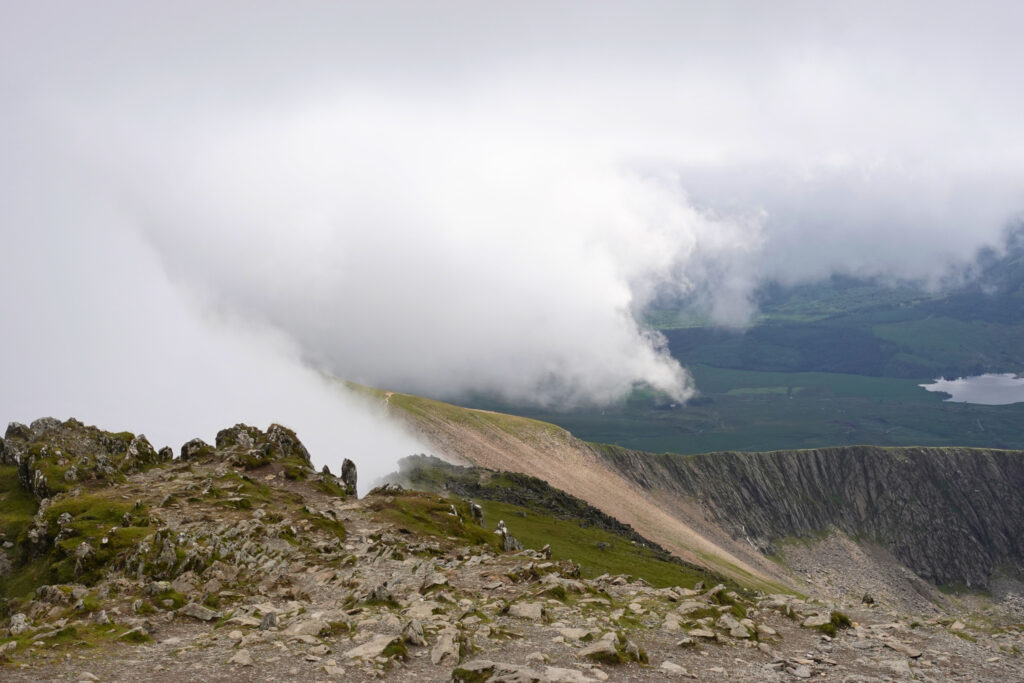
x,y
549,452
539,514
595,550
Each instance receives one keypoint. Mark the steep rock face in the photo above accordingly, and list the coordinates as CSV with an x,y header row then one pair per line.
x,y
950,514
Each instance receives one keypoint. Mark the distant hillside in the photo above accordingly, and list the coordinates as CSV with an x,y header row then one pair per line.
x,y
829,363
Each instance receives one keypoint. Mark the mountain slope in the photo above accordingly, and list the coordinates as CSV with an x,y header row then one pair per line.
x,y
238,561
951,515
505,442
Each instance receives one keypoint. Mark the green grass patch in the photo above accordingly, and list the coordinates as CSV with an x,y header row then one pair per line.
x,y
331,487
333,527
596,551
428,514
17,508
177,600
22,584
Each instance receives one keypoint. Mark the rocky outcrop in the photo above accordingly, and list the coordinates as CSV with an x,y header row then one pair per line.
x,y
349,476
52,456
251,447
509,543
950,514
205,568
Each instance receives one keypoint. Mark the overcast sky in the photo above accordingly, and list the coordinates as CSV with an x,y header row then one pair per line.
x,y
205,205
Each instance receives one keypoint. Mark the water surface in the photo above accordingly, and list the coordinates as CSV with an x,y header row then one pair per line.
x,y
989,390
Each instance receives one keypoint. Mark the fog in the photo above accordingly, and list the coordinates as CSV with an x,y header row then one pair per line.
x,y
207,207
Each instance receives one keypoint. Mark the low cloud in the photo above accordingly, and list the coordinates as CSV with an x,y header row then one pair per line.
x,y
202,205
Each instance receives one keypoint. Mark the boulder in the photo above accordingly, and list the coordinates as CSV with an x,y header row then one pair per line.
x,y
16,430
286,443
413,633
799,671
673,669
446,649
43,424
194,449
199,612
509,543
375,647
602,650
19,622
902,648
308,627
349,476
533,611
817,621
554,674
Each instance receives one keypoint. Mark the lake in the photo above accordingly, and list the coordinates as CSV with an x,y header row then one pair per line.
x,y
990,390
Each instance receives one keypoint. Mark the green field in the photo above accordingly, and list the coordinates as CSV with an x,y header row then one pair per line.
x,y
835,362
745,410
850,378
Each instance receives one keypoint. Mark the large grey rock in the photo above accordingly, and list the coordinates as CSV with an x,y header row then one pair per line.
x,y
800,671
349,476
194,449
287,444
509,543
446,649
374,647
602,650
555,674
673,669
40,426
308,627
533,611
902,648
413,633
199,612
19,624
817,620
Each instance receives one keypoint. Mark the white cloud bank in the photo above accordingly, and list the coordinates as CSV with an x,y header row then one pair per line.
x,y
442,198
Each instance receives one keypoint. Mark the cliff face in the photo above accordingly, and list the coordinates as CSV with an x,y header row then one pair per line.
x,y
949,514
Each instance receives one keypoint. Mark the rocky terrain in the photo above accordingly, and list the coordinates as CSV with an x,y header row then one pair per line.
x,y
238,561
951,515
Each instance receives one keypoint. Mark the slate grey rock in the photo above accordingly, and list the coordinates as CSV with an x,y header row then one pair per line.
x,y
349,476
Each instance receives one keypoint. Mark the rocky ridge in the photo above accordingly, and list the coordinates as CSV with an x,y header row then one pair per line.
x,y
239,562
